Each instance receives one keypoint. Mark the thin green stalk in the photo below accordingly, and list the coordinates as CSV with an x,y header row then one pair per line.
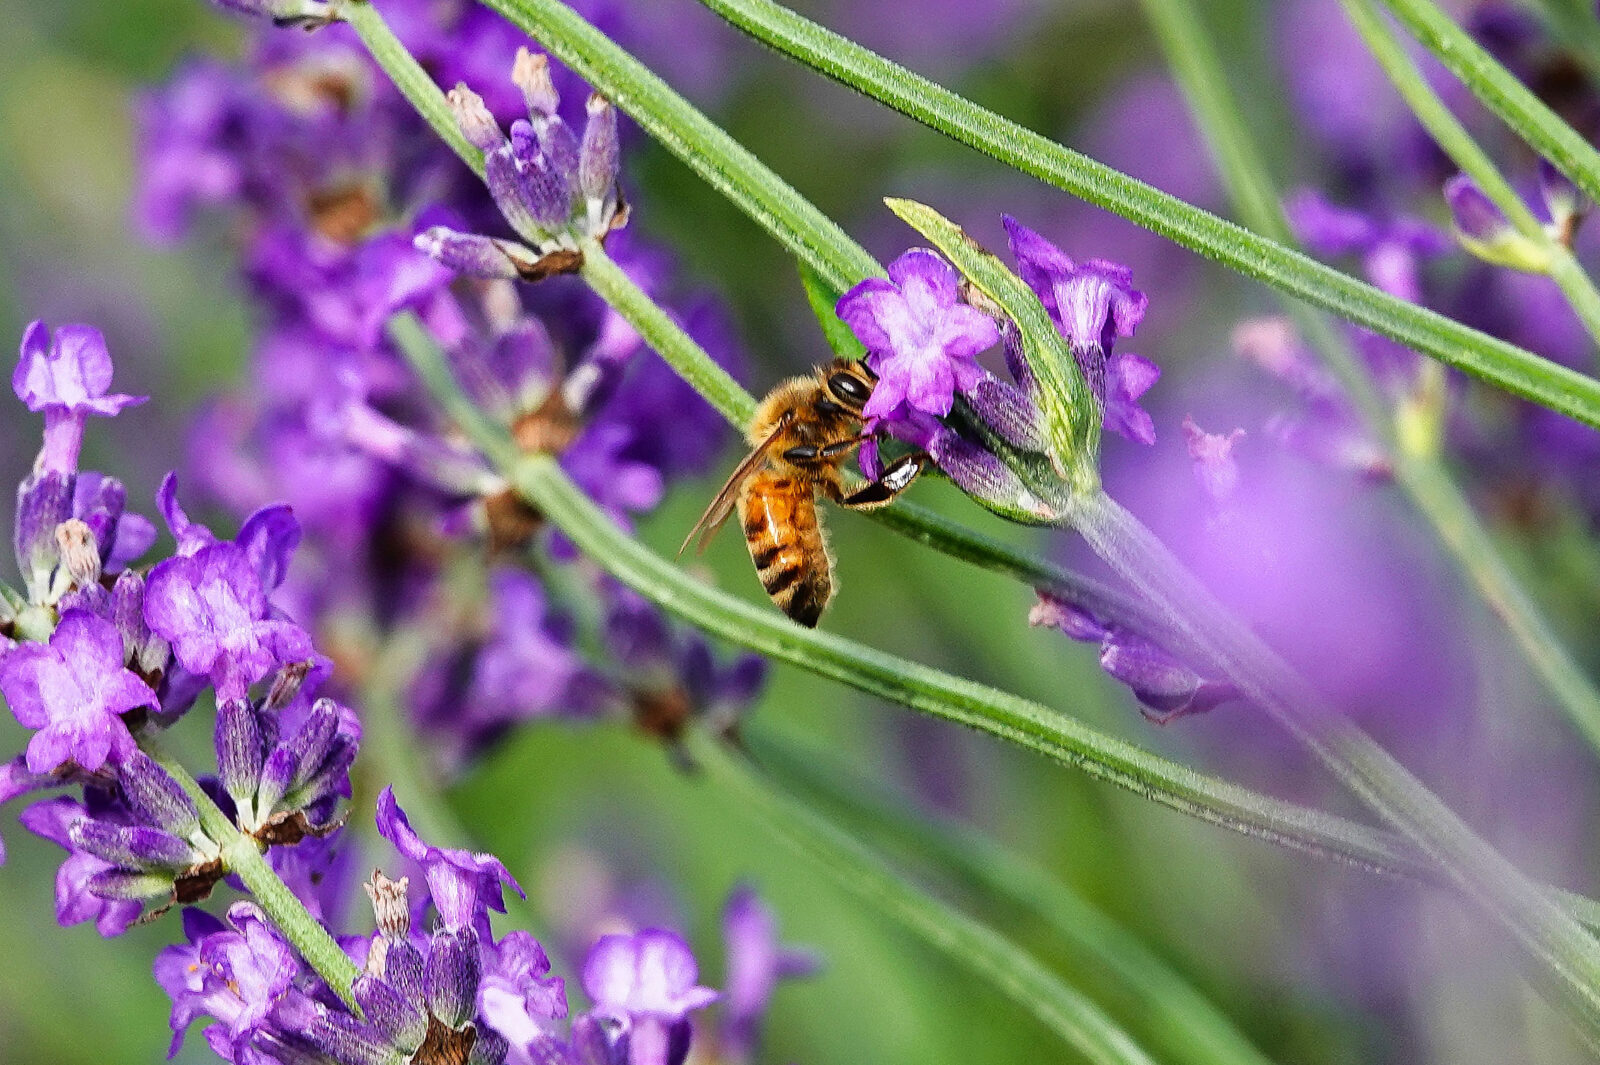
x,y
1518,371
542,483
1001,963
408,76
1184,1025
1421,475
658,329
1562,946
242,856
1501,92
1457,143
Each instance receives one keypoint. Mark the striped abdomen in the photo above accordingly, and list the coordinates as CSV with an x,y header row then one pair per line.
x,y
787,544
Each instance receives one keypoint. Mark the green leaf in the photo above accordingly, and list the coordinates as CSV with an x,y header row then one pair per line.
x,y
823,298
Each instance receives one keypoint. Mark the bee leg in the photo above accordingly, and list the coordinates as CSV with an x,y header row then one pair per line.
x,y
894,480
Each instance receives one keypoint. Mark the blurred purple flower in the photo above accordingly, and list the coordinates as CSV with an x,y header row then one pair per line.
x,y
1214,465
756,962
649,974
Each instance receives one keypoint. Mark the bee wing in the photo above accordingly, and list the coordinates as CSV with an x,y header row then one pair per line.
x,y
722,505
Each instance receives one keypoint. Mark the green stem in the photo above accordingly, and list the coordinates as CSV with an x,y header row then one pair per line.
x,y
543,484
1421,475
408,76
663,334
724,163
1183,1024
1502,93
540,481
242,856
1001,963
1457,143
1551,936
1518,371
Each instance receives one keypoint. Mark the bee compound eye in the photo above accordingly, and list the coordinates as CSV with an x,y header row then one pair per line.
x,y
849,389
803,453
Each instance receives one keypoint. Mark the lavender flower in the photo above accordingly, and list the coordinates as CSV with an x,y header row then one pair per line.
x,y
212,608
134,836
645,985
1092,305
1214,465
74,691
920,337
555,191
66,377
756,963
464,886
1165,687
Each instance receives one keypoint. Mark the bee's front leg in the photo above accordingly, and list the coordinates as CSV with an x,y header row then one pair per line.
x,y
889,484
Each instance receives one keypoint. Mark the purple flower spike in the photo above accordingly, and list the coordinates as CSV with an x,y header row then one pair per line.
x,y
650,974
464,886
213,610
1092,305
66,377
73,691
920,337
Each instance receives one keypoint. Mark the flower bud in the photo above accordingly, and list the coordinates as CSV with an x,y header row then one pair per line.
x,y
386,1009
453,972
474,119
600,155
530,72
240,756
44,501
1483,230
475,255
156,797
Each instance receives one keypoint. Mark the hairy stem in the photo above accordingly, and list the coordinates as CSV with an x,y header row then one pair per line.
x,y
1502,93
1451,136
243,857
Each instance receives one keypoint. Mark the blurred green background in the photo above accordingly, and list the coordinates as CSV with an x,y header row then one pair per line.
x,y
1230,914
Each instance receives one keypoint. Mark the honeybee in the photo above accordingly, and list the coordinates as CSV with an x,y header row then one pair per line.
x,y
801,433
